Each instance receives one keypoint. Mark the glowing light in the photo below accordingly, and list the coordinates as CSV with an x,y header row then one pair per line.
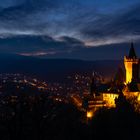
x,y
138,98
38,53
109,98
125,83
89,114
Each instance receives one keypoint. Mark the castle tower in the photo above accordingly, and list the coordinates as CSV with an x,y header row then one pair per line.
x,y
93,85
131,63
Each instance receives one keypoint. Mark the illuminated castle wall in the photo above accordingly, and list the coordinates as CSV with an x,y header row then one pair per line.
x,y
107,98
131,63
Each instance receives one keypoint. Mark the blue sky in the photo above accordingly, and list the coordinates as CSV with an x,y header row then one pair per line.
x,y
93,23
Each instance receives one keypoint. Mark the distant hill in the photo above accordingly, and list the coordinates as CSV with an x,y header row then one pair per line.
x,y
55,69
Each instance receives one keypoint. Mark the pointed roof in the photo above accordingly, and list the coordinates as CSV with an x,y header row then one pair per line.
x,y
132,53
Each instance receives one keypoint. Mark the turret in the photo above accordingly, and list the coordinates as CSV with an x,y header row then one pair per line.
x,y
131,63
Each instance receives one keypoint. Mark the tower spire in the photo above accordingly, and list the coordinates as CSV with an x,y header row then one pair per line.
x,y
132,53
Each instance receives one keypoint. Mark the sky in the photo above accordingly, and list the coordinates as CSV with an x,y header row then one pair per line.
x,y
69,28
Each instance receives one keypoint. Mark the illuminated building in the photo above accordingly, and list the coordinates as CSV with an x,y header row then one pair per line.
x,y
105,95
131,63
109,99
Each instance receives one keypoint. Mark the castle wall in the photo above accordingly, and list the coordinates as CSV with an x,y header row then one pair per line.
x,y
131,94
109,99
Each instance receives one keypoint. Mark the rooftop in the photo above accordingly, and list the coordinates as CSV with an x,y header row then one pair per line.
x,y
132,53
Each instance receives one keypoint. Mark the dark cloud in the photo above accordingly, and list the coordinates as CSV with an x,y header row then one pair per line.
x,y
35,45
10,3
44,16
66,26
71,41
68,18
115,28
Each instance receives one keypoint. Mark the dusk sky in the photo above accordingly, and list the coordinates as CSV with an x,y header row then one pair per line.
x,y
77,29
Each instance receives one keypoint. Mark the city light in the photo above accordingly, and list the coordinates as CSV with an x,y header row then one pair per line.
x,y
89,114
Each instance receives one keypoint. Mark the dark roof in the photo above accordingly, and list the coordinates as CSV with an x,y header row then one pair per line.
x,y
132,53
133,87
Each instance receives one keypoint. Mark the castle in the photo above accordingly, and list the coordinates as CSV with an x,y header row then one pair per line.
x,y
131,63
132,82
104,95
